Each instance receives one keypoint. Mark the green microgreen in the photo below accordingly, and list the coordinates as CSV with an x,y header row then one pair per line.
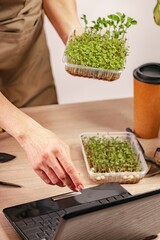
x,y
110,154
101,45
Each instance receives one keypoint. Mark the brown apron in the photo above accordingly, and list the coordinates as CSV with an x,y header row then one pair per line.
x,y
25,72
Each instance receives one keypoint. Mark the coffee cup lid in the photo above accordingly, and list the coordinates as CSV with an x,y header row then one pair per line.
x,y
148,73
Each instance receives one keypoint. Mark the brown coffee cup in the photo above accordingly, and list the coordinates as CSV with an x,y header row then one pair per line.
x,y
147,100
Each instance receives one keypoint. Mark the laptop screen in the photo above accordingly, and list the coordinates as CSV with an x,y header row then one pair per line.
x,y
137,219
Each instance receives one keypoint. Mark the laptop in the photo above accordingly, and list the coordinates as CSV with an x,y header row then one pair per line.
x,y
103,212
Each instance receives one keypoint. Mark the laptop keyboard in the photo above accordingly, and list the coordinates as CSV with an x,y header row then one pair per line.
x,y
44,227
41,227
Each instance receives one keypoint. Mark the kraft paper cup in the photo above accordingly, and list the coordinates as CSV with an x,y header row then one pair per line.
x,y
147,100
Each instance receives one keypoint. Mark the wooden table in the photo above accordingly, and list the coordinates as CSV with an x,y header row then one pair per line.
x,y
67,121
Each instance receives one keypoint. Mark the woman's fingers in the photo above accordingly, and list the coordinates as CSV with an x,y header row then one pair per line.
x,y
43,176
73,179
50,158
49,177
58,170
64,177
57,174
51,171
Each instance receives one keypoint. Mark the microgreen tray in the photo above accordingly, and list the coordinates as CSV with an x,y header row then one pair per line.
x,y
90,72
113,157
81,65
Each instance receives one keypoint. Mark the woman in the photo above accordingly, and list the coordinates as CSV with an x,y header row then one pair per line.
x,y
26,80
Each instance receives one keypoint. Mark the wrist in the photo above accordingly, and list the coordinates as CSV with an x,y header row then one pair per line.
x,y
15,122
24,131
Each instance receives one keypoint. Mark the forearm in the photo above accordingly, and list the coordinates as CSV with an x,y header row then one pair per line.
x,y
49,156
14,121
63,16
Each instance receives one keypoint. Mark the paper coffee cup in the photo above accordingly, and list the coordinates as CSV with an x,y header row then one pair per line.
x,y
147,100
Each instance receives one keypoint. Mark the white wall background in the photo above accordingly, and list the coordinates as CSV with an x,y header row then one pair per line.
x,y
144,41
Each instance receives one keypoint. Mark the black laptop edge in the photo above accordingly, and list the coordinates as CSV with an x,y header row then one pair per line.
x,y
110,204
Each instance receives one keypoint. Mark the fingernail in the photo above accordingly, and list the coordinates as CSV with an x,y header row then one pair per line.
x,y
79,188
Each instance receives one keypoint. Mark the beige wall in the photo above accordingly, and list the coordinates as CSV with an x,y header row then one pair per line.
x,y
144,41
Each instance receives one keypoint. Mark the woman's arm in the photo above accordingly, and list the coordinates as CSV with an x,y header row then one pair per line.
x,y
63,16
48,155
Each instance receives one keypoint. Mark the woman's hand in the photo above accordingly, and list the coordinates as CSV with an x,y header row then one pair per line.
x,y
50,158
63,16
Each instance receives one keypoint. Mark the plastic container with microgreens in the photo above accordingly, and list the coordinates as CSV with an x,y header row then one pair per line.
x,y
113,157
99,51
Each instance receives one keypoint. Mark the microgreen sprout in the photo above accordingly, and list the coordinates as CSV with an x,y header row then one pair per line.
x,y
110,154
101,45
